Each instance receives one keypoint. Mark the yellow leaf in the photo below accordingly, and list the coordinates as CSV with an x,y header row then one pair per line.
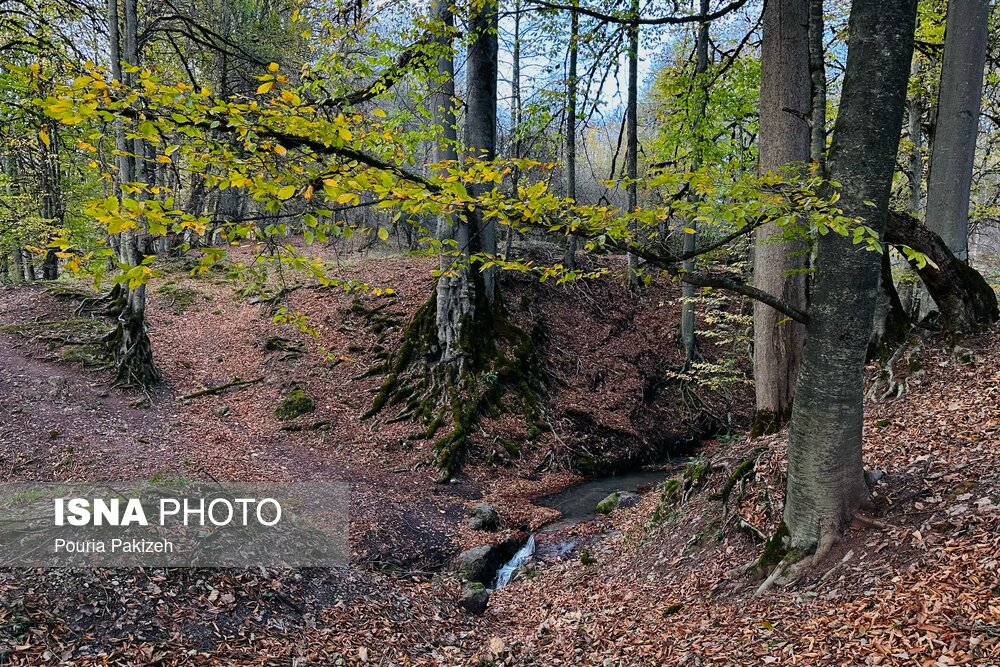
x,y
689,230
286,192
264,87
383,233
345,134
344,198
273,67
44,136
308,194
280,150
378,113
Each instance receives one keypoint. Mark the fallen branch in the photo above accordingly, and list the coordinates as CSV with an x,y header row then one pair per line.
x,y
208,391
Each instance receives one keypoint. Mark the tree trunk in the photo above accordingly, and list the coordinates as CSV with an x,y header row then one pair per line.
x,y
817,72
571,83
779,268
967,302
128,342
825,476
481,124
690,244
961,89
913,297
632,144
455,290
18,265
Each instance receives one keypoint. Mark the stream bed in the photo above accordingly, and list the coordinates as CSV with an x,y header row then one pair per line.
x,y
577,504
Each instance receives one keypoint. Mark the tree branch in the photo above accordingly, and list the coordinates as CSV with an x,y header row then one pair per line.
x,y
636,20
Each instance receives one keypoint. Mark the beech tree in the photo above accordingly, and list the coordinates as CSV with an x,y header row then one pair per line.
x,y
826,484
779,265
957,126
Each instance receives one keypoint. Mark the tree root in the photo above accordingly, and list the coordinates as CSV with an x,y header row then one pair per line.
x,y
499,369
796,562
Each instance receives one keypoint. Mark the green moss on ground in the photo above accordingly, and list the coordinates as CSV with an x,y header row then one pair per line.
x,y
296,403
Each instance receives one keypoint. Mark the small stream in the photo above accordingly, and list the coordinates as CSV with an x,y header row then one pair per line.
x,y
577,504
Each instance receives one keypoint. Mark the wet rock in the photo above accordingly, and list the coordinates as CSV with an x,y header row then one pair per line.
x,y
483,516
475,597
478,564
615,500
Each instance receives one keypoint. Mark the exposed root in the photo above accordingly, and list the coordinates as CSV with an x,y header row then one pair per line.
x,y
128,342
498,369
796,562
893,380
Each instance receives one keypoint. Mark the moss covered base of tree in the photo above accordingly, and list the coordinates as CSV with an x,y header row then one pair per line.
x,y
498,369
128,343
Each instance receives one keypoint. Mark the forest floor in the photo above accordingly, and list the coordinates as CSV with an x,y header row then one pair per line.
x,y
915,583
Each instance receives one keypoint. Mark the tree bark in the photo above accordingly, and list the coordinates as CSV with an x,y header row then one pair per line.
x,y
632,144
571,83
690,244
967,302
817,73
786,97
129,342
825,476
456,297
481,122
961,89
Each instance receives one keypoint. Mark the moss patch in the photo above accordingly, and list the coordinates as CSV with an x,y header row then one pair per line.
x,y
297,402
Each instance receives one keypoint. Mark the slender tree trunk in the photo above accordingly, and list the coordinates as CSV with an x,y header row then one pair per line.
x,y
632,143
455,289
825,476
571,83
817,72
481,122
779,268
912,296
516,113
129,341
950,176
690,244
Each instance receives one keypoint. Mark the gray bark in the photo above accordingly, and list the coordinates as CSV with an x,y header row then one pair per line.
x,y
785,101
817,72
691,240
455,290
961,89
571,84
825,475
632,142
481,122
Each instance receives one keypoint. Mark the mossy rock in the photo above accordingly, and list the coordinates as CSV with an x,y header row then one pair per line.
x,y
297,402
616,500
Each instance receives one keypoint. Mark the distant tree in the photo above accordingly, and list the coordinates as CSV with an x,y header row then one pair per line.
x,y
957,126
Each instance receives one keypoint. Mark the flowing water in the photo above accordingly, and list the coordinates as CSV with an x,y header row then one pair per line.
x,y
577,504
507,570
